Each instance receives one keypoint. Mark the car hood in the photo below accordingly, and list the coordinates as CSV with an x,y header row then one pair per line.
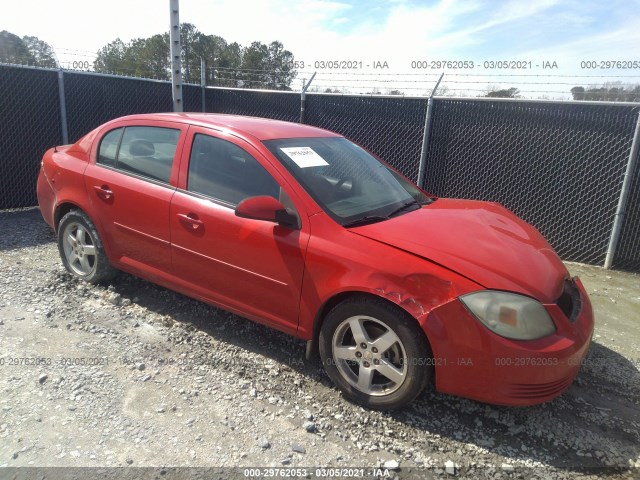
x,y
482,241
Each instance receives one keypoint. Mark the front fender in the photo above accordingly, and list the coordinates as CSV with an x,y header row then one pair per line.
x,y
341,263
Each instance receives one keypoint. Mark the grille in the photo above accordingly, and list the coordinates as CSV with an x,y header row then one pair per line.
x,y
541,390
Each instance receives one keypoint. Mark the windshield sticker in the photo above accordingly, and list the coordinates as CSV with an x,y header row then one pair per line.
x,y
304,157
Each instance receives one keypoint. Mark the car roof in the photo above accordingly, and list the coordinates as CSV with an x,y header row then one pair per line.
x,y
260,128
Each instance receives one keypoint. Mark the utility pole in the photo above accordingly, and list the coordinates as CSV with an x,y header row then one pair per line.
x,y
176,64
203,83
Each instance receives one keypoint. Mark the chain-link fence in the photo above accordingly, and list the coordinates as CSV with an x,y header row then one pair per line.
x,y
559,165
30,124
266,104
91,99
392,128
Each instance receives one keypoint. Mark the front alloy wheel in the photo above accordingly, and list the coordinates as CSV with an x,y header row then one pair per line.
x,y
369,355
375,353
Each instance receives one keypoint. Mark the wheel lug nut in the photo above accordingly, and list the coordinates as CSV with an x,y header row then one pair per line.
x,y
365,364
358,354
376,362
374,350
363,345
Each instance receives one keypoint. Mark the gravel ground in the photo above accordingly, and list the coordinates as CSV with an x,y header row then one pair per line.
x,y
135,375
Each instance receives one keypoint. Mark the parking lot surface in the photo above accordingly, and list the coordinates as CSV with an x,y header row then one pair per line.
x,y
132,374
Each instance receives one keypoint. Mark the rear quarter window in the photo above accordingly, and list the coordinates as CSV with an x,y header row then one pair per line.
x,y
109,147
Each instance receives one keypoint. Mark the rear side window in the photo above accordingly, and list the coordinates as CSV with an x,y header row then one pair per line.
x,y
144,151
109,147
222,170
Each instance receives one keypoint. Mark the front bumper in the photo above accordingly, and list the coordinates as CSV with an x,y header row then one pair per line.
x,y
471,361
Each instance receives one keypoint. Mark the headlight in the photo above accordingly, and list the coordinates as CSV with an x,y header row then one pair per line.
x,y
510,315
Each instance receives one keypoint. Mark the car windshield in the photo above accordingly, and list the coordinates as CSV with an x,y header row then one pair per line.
x,y
351,185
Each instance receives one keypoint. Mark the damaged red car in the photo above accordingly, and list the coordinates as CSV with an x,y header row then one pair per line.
x,y
300,229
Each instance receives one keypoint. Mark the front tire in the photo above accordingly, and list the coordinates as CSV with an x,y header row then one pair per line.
x,y
375,353
81,250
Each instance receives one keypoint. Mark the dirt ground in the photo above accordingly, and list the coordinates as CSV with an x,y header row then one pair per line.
x,y
134,375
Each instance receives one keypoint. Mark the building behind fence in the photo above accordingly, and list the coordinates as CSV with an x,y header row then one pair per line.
x,y
559,165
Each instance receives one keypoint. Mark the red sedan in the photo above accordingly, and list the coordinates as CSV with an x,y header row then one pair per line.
x,y
302,230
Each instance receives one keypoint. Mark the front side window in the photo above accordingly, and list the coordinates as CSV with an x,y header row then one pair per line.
x,y
224,171
351,185
144,151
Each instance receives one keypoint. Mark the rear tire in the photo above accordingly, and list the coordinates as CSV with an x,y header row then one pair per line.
x,y
81,249
375,353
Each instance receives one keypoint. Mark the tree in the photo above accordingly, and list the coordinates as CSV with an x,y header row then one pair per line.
x,y
227,64
154,52
13,49
110,58
503,93
279,66
42,52
578,93
256,66
609,92
143,57
26,51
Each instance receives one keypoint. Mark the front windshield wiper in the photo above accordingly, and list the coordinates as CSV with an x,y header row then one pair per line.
x,y
403,207
365,220
379,218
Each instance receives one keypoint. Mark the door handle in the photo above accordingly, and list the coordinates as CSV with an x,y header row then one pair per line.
x,y
104,192
191,220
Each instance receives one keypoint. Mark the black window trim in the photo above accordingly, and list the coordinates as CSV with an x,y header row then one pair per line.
x,y
204,196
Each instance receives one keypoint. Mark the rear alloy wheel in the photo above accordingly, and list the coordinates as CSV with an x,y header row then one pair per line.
x,y
375,353
81,249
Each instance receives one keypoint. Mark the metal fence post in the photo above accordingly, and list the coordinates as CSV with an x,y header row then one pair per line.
x,y
621,210
425,136
63,108
303,97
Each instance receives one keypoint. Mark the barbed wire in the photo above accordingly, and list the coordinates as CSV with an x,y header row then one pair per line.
x,y
363,82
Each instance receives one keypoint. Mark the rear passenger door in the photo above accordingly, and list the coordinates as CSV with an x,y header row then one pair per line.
x,y
248,266
130,181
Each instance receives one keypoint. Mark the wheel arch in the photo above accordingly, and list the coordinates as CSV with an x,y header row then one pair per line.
x,y
65,207
312,345
62,209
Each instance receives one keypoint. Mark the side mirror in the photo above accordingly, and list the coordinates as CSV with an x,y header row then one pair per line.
x,y
268,209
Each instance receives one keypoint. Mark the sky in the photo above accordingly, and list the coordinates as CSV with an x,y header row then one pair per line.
x,y
555,44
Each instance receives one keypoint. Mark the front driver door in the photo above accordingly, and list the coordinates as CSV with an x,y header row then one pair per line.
x,y
249,266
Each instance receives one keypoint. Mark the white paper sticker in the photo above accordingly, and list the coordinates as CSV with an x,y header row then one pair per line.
x,y
304,157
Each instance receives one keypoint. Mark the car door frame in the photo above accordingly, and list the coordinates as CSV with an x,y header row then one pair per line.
x,y
143,271
298,201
